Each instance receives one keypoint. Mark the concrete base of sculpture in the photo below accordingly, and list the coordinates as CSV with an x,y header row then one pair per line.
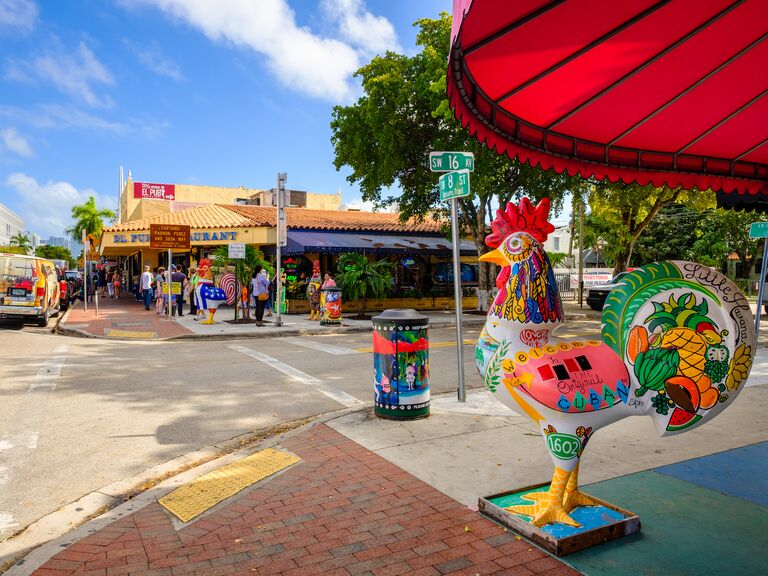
x,y
599,523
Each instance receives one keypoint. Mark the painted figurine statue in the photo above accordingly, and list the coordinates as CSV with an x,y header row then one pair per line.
x,y
207,295
677,345
313,291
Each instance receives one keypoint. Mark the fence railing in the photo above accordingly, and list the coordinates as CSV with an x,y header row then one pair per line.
x,y
564,286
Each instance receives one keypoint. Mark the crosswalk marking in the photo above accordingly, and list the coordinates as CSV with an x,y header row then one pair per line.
x,y
303,378
327,348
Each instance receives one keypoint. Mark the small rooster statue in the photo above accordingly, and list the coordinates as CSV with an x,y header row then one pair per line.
x,y
207,295
678,342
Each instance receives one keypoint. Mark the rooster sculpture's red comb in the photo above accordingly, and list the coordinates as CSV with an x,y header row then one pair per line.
x,y
523,217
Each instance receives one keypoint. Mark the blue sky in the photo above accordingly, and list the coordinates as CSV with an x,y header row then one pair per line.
x,y
214,92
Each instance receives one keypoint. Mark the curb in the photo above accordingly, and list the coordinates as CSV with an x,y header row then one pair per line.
x,y
77,333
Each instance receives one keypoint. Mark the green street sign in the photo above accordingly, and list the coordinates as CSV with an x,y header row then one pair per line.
x,y
454,185
758,230
450,161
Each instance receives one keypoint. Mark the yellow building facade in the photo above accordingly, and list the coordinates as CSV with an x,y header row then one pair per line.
x,y
140,200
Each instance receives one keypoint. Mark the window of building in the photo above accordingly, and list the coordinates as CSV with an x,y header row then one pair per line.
x,y
556,244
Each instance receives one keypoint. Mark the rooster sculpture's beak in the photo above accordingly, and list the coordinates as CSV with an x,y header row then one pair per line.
x,y
494,256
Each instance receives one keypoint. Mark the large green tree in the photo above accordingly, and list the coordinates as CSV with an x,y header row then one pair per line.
x,y
725,232
57,253
620,213
89,218
386,136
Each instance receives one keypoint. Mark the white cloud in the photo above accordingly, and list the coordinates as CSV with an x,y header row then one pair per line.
x,y
371,34
301,60
15,142
56,116
155,61
46,207
72,73
20,15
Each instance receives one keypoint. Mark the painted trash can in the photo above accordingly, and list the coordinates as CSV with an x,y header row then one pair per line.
x,y
330,306
401,364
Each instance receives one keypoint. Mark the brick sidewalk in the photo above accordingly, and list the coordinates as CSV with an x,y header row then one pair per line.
x,y
125,315
341,511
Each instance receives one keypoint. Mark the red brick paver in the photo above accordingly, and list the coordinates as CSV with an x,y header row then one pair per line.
x,y
124,314
342,510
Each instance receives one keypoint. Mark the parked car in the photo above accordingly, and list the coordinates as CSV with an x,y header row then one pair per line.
x,y
75,280
29,288
65,289
597,295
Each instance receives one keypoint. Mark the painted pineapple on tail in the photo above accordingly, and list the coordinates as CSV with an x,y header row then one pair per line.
x,y
678,342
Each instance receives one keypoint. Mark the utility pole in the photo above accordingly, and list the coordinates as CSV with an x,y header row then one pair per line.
x,y
282,240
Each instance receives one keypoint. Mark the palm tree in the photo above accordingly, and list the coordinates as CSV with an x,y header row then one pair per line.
x,y
89,218
21,240
360,279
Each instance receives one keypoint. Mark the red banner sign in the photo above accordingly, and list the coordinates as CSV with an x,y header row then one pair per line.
x,y
149,191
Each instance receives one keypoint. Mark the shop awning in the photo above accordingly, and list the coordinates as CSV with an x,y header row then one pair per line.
x,y
668,92
301,241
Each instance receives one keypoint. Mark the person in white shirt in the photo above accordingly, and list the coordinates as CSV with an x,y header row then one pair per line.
x,y
146,287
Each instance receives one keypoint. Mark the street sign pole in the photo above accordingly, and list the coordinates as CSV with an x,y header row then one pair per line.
x,y
170,285
452,185
761,289
282,178
86,278
457,297
760,230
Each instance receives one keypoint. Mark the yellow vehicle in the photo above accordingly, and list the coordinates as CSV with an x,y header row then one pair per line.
x,y
29,288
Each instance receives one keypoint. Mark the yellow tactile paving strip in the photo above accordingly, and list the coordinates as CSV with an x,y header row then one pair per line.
x,y
207,490
130,334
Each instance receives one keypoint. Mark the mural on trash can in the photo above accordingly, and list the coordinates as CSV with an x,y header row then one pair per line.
x,y
401,368
330,307
678,342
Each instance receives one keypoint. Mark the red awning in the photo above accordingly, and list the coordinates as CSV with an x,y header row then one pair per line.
x,y
665,92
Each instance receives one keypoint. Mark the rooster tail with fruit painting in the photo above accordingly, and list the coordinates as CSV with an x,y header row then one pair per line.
x,y
686,335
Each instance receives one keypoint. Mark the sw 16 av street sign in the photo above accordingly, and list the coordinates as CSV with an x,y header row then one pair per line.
x,y
450,161
454,185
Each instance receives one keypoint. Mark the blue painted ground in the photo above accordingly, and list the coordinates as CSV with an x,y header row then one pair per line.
x,y
742,473
702,517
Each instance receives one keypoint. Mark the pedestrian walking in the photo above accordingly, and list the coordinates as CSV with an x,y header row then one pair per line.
x,y
135,280
117,283
271,292
160,291
102,279
110,285
328,282
146,287
260,290
193,280
179,276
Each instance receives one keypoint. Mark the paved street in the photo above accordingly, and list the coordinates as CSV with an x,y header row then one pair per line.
x,y
78,414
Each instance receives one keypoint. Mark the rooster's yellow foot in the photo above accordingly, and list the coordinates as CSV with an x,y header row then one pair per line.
x,y
541,497
553,513
577,498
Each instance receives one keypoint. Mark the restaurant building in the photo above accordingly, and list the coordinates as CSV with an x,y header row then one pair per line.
x,y
421,254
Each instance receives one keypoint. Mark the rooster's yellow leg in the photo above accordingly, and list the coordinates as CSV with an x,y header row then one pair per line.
x,y
210,317
549,509
573,496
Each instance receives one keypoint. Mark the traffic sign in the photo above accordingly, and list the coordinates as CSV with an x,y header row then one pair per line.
x,y
758,230
454,185
450,161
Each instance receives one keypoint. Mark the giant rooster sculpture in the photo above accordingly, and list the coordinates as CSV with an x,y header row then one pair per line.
x,y
678,342
207,295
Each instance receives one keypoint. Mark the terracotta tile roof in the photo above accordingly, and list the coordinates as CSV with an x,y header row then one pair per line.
x,y
243,216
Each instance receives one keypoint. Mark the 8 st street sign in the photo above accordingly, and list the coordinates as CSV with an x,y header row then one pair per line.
x,y
450,161
758,230
454,185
